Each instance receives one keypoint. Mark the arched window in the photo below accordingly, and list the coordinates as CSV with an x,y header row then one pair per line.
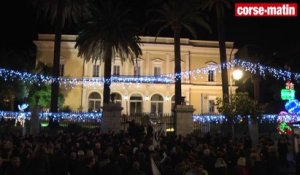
x,y
211,73
136,101
94,102
157,104
118,98
173,102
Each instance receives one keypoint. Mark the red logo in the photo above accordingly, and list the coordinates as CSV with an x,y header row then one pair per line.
x,y
266,9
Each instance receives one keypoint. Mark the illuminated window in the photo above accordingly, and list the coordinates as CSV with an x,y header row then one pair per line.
x,y
94,102
136,102
157,104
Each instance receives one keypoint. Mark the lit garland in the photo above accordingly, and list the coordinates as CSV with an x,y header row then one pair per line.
x,y
218,118
72,116
255,68
89,81
204,118
93,116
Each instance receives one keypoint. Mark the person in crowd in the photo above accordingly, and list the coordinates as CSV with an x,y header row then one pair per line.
x,y
89,152
14,167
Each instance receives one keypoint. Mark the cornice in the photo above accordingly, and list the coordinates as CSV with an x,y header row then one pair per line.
x,y
146,41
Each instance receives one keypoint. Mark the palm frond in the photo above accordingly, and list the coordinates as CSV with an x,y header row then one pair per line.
x,y
190,29
109,27
178,13
70,10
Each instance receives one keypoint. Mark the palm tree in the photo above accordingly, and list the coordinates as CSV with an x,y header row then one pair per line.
x,y
59,12
178,15
219,6
108,33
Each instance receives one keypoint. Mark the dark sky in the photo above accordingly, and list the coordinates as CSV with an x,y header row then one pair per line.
x,y
279,35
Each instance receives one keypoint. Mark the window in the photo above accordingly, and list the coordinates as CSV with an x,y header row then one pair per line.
x,y
211,74
136,102
61,70
211,106
137,70
157,71
118,98
116,70
94,102
157,104
96,69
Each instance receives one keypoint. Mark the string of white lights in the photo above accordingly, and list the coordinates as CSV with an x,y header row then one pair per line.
x,y
254,68
96,116
70,116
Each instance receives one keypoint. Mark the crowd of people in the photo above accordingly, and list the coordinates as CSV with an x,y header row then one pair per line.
x,y
139,152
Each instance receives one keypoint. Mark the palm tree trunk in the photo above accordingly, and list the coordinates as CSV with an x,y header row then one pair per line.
x,y
107,75
222,48
177,66
12,102
256,88
253,124
56,61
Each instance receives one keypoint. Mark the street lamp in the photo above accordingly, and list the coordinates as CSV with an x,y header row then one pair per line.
x,y
237,74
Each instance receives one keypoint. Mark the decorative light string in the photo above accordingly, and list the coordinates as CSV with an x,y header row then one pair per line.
x,y
218,118
70,116
204,118
96,116
254,68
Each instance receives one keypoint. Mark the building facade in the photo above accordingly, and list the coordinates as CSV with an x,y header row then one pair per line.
x,y
199,60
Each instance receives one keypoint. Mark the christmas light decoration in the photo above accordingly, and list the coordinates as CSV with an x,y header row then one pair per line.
x,y
292,106
44,123
270,118
284,128
72,116
287,94
289,85
286,117
96,117
21,117
255,68
200,118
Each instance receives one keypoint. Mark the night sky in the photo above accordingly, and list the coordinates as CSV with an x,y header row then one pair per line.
x,y
20,26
